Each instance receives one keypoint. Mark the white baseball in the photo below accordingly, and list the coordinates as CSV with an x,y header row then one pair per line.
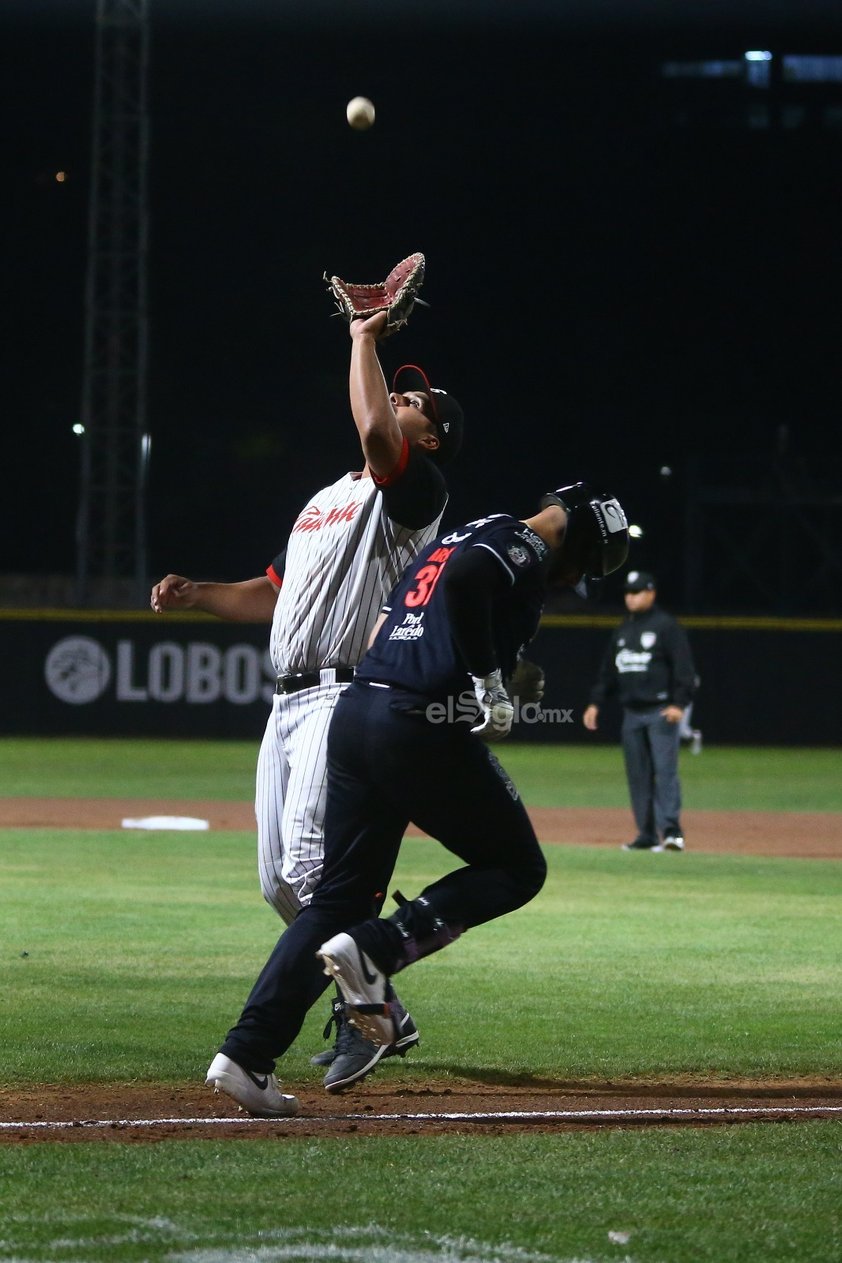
x,y
360,113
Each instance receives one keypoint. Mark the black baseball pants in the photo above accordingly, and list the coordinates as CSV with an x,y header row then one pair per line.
x,y
389,765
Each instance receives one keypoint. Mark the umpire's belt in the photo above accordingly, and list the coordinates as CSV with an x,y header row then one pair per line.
x,y
311,679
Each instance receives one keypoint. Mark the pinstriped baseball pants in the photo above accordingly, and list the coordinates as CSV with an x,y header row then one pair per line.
x,y
290,797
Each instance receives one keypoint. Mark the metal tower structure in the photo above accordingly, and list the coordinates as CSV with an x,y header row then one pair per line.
x,y
111,527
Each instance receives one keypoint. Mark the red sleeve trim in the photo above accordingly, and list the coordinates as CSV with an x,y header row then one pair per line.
x,y
274,577
403,461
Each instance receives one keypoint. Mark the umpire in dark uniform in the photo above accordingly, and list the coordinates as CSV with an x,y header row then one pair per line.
x,y
649,667
407,742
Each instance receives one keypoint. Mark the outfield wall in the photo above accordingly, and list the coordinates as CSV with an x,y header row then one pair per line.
x,y
764,681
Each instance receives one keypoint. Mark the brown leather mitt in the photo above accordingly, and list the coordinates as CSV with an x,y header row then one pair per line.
x,y
397,295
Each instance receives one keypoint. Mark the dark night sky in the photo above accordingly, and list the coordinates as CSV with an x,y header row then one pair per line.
x,y
610,292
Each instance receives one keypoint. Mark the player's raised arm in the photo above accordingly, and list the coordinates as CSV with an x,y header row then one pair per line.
x,y
371,407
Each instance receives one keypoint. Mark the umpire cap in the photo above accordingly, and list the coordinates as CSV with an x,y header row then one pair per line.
x,y
596,541
639,581
447,415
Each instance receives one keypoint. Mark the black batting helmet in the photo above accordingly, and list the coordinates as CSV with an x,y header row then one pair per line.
x,y
597,538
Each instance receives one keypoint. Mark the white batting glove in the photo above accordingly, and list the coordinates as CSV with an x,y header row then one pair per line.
x,y
497,711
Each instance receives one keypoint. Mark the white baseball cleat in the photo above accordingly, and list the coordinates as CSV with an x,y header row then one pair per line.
x,y
259,1094
673,842
364,988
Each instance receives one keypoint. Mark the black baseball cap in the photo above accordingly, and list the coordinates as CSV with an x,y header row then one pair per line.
x,y
639,581
447,415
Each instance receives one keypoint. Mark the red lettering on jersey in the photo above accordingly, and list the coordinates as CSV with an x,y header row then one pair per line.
x,y
440,554
312,518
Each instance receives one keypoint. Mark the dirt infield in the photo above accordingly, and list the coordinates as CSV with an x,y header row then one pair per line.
x,y
806,835
398,1101
133,1112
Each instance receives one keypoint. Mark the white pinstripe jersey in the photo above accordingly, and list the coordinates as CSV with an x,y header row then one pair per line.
x,y
343,557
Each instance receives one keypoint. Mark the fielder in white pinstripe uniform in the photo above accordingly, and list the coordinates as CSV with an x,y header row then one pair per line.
x,y
349,545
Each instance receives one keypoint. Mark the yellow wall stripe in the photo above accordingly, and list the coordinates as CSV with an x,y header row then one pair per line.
x,y
712,622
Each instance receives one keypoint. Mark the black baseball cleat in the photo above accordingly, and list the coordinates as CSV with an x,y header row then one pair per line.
x,y
364,987
354,1057
405,1030
259,1094
337,1018
640,844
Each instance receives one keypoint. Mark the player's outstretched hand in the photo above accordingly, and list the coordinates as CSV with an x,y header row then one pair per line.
x,y
370,326
174,592
497,710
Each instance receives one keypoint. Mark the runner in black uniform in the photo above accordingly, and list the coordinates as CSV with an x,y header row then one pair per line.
x,y
403,746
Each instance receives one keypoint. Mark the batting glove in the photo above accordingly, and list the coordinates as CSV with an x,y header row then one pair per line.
x,y
497,711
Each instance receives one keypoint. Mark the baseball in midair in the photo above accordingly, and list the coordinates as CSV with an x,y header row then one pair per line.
x,y
360,113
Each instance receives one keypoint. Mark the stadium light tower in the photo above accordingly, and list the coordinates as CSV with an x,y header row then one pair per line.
x,y
111,527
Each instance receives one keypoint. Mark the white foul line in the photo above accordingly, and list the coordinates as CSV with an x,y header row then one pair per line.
x,y
743,1111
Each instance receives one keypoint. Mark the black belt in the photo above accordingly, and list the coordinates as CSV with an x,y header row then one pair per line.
x,y
311,679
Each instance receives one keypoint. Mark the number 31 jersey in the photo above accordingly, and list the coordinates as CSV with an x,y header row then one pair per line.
x,y
414,649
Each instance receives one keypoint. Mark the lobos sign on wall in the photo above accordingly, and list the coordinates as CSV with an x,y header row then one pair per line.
x,y
130,675
114,674
79,670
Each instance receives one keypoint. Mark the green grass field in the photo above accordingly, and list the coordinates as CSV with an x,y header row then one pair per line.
x,y
126,955
724,778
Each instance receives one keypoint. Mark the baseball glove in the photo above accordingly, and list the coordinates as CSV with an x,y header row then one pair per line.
x,y
397,295
526,682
